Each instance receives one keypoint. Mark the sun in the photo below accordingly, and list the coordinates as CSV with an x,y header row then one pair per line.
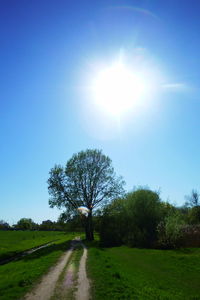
x,y
118,88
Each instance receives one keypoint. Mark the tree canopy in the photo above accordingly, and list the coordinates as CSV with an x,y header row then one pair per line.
x,y
88,179
132,220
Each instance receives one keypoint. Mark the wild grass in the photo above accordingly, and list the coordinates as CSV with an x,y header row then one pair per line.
x,y
17,277
13,242
128,273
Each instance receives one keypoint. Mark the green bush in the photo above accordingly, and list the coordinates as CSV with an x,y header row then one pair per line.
x,y
170,233
112,225
132,220
144,212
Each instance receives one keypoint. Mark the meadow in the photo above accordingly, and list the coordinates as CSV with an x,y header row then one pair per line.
x,y
115,273
17,277
13,242
131,273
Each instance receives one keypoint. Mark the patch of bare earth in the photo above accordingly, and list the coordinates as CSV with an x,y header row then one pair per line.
x,y
61,281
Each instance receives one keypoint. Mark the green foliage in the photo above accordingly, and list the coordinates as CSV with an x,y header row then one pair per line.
x,y
143,215
193,199
25,224
4,225
113,223
127,273
170,230
48,225
87,180
194,215
132,220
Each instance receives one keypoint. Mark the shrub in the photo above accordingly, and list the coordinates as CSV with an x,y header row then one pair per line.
x,y
144,212
112,225
132,220
191,236
170,232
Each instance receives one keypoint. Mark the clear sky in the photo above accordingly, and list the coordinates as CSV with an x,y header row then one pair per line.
x,y
49,55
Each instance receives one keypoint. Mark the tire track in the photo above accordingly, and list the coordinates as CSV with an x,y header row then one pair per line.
x,y
83,282
50,287
45,289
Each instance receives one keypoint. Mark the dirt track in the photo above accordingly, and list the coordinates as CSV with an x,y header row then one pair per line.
x,y
83,282
46,288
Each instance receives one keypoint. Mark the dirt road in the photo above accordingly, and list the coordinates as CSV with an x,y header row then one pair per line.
x,y
83,282
62,279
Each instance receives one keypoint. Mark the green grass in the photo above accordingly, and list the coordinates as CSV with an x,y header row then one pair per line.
x,y
16,278
128,273
13,242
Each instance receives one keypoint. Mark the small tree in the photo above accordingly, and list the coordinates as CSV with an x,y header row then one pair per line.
x,y
132,220
170,230
89,180
113,223
193,206
144,212
193,200
47,225
25,224
4,225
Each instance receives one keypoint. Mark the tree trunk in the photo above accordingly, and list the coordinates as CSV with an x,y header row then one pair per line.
x,y
89,228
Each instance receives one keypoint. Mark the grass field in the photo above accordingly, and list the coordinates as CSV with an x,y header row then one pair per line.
x,y
16,278
13,242
128,273
115,273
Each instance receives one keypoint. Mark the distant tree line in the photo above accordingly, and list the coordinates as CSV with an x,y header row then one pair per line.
x,y
29,224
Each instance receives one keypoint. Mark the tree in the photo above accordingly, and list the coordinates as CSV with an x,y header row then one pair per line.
x,y
88,179
4,225
113,223
26,224
193,205
170,231
132,220
193,200
144,212
47,225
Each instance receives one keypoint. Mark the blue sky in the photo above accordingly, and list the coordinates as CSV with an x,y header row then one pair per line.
x,y
49,52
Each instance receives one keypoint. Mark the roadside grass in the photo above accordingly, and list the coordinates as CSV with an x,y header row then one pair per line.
x,y
17,277
13,242
130,273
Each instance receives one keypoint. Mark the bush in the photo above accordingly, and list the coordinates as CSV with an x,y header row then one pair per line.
x,y
194,215
132,220
170,233
190,236
144,212
112,224
4,225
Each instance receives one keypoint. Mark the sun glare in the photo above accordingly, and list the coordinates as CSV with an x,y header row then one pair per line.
x,y
117,89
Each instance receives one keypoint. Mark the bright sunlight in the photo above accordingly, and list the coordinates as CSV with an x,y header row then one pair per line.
x,y
118,88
